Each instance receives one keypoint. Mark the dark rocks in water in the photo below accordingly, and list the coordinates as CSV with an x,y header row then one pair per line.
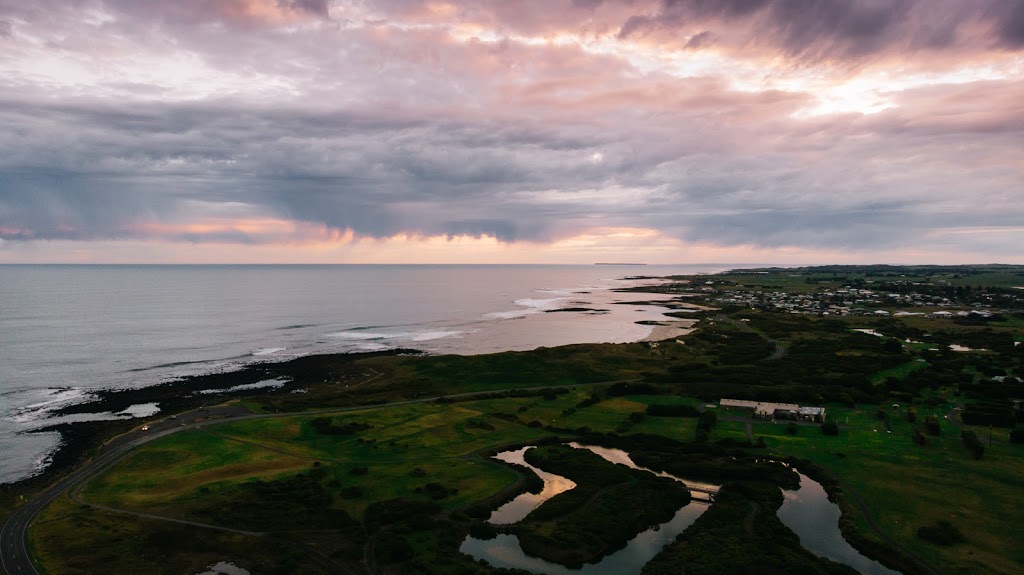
x,y
576,309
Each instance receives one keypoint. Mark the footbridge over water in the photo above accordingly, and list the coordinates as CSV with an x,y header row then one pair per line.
x,y
709,493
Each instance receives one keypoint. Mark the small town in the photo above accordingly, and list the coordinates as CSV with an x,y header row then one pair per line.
x,y
899,299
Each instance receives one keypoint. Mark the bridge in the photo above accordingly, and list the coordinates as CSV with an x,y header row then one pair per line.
x,y
709,492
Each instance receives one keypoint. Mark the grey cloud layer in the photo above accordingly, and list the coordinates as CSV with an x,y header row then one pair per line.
x,y
388,130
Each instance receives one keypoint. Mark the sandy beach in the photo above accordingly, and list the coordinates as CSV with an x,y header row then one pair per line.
x,y
671,329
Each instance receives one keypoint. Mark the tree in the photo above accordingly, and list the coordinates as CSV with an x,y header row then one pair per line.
x,y
829,428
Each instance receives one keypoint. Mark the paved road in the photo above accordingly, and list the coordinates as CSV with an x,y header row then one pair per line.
x,y
14,554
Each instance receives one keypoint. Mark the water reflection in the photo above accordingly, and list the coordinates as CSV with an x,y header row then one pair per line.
x,y
505,551
815,519
522,505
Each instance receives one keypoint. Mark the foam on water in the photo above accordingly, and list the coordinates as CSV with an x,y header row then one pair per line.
x,y
38,403
279,382
61,339
268,350
405,335
140,410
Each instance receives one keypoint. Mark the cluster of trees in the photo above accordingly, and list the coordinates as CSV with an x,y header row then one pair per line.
x,y
705,423
972,443
994,413
942,533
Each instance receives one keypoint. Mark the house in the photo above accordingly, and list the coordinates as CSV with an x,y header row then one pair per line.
x,y
777,411
815,414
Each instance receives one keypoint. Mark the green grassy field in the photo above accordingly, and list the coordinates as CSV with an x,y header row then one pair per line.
x,y
908,486
905,485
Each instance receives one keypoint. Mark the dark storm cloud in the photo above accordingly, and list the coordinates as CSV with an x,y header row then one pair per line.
x,y
848,30
1011,16
269,111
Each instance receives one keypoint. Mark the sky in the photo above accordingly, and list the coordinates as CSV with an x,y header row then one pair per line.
x,y
512,131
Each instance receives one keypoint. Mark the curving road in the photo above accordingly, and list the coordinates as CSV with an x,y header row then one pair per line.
x,y
15,557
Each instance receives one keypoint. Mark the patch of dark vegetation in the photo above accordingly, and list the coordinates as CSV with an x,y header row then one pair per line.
x,y
609,506
395,511
479,424
326,426
942,533
994,413
436,491
272,505
740,533
483,530
972,443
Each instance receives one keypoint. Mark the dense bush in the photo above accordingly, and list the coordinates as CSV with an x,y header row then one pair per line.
x,y
829,428
942,533
919,437
1017,435
972,443
390,511
931,425
482,530
326,426
995,413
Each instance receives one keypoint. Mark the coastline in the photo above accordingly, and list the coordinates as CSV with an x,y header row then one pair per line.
x,y
671,330
80,438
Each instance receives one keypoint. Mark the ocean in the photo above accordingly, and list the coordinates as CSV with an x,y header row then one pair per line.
x,y
69,330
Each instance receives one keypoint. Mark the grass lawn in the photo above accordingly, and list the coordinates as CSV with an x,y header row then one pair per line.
x,y
407,447
907,486
170,473
901,371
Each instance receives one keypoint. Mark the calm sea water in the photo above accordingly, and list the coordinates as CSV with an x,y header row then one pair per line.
x,y
66,331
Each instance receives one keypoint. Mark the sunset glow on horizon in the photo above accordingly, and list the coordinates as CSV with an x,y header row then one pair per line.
x,y
570,131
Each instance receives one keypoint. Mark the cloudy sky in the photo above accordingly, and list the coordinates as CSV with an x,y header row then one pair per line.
x,y
548,131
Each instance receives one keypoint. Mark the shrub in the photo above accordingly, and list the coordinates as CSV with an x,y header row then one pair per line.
x,y
482,530
391,548
792,428
972,443
919,437
829,428
942,533
707,420
1017,435
352,492
931,425
326,426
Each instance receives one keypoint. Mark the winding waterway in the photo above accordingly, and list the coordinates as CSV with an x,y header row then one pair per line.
x,y
505,551
815,519
807,511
